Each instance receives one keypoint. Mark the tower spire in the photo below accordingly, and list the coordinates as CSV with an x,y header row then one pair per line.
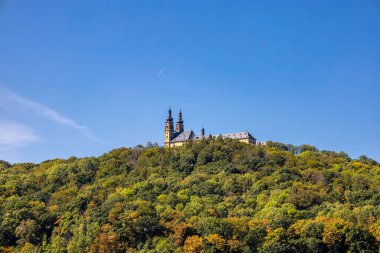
x,y
170,113
169,129
179,126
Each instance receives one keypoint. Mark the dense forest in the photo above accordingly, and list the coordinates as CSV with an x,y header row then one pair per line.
x,y
211,196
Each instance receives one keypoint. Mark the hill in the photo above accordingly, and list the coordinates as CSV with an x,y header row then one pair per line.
x,y
212,196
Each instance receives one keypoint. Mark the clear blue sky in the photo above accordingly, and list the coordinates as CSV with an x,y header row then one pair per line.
x,y
79,78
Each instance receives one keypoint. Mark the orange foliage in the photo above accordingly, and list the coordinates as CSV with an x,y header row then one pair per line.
x,y
106,242
115,212
234,245
334,230
264,223
217,241
181,231
375,230
6,250
193,244
89,209
53,208
212,212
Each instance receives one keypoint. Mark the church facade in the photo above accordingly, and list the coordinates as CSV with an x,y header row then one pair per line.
x,y
178,136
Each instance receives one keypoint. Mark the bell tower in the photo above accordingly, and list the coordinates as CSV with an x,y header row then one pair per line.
x,y
179,126
169,129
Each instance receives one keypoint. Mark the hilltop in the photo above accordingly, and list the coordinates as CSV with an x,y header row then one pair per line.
x,y
210,196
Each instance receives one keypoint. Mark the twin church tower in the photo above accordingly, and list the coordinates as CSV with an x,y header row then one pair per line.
x,y
178,137
169,129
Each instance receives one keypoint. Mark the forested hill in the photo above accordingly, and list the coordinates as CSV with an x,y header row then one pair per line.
x,y
212,196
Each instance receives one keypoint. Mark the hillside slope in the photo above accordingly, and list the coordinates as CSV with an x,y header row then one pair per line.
x,y
212,196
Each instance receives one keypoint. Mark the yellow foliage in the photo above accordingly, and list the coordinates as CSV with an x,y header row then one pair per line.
x,y
234,245
334,229
180,232
52,208
217,241
358,165
239,225
262,223
127,192
89,209
375,230
275,235
133,215
184,181
299,227
106,241
183,195
193,244
212,212
29,248
64,195
261,200
114,212
36,203
161,198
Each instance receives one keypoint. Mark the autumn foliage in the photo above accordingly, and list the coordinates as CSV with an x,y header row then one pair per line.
x,y
211,196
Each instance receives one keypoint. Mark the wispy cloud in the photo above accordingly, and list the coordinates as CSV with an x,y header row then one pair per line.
x,y
10,98
14,136
160,72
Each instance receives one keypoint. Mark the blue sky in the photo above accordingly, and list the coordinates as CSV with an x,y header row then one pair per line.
x,y
79,78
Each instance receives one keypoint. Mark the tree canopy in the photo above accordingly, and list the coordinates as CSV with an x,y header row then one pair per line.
x,y
210,196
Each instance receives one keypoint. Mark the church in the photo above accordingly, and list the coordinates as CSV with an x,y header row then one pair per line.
x,y
178,137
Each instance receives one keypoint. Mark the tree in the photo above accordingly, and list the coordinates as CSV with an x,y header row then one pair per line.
x,y
208,196
28,231
193,244
217,242
276,241
304,195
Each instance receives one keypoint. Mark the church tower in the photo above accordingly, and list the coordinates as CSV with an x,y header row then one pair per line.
x,y
179,127
169,129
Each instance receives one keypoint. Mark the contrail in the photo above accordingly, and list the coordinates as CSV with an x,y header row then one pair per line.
x,y
6,94
160,72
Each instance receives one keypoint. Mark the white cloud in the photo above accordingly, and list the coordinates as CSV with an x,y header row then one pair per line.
x,y
12,137
8,99
15,135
